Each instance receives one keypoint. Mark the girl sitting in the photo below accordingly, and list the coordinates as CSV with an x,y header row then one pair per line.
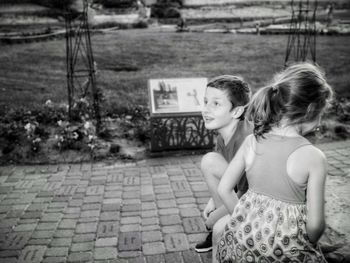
x,y
281,217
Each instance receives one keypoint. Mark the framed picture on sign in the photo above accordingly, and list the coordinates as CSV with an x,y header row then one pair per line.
x,y
180,95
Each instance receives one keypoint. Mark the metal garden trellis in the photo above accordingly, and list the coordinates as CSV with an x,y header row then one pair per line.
x,y
302,32
81,67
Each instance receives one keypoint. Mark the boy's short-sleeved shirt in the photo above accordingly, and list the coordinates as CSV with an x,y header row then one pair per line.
x,y
244,128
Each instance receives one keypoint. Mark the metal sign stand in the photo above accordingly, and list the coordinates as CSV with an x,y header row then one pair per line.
x,y
176,119
180,132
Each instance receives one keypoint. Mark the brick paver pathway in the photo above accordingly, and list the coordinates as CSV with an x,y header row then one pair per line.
x,y
147,212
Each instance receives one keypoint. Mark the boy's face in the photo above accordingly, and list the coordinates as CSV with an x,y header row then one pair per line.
x,y
217,111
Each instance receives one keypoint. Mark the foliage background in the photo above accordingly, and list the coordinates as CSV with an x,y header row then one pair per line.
x,y
33,73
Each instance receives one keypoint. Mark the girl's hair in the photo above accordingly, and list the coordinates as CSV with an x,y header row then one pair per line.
x,y
298,94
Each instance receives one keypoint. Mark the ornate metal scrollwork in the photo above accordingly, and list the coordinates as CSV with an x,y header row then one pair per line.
x,y
180,132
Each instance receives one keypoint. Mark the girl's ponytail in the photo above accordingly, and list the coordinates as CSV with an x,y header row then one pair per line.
x,y
299,95
265,109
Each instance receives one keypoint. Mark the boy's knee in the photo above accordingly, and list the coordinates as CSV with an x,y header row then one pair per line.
x,y
216,234
219,228
209,160
213,164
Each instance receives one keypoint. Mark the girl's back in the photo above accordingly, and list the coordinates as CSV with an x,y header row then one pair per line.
x,y
267,170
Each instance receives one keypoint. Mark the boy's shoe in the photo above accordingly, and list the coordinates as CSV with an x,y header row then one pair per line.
x,y
206,245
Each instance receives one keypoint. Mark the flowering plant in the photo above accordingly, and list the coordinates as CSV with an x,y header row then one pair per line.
x,y
75,135
81,110
34,134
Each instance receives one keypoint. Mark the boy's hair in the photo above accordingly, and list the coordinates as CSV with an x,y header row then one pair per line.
x,y
298,94
237,89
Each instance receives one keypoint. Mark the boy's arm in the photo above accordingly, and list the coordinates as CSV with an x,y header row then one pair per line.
x,y
219,213
215,216
209,208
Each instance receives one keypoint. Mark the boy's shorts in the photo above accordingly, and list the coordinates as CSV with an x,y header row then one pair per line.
x,y
242,185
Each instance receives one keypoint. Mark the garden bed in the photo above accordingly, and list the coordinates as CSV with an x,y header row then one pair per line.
x,y
46,136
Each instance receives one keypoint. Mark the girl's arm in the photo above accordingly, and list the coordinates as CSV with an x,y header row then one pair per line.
x,y
220,212
315,224
231,177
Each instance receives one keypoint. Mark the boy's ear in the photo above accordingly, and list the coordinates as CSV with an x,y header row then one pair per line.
x,y
237,112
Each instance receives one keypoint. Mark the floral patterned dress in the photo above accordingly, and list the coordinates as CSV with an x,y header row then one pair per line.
x,y
265,227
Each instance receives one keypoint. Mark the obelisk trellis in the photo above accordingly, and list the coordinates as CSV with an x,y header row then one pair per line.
x,y
81,67
301,43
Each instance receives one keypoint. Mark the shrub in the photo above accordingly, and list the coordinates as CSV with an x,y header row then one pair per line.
x,y
166,9
10,136
115,3
136,124
141,24
339,110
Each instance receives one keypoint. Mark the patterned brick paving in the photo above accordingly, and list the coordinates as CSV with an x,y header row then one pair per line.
x,y
148,212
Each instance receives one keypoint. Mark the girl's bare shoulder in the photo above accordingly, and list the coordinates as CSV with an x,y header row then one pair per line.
x,y
309,155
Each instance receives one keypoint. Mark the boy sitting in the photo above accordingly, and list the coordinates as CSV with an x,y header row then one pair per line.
x,y
224,107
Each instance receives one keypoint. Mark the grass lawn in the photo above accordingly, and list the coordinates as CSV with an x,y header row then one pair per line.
x,y
32,73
